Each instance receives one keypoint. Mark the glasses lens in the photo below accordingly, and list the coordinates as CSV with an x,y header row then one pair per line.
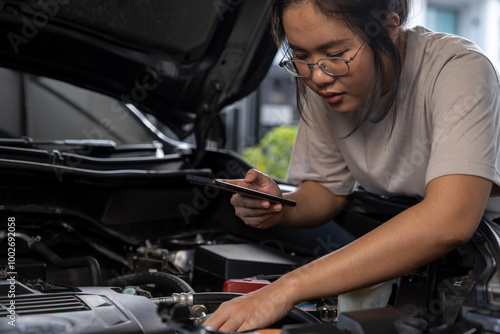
x,y
297,68
334,66
303,69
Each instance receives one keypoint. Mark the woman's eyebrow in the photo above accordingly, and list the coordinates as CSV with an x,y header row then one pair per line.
x,y
324,46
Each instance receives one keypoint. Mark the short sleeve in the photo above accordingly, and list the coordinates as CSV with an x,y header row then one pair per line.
x,y
316,155
465,119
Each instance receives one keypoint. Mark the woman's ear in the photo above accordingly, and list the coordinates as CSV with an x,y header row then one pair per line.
x,y
392,25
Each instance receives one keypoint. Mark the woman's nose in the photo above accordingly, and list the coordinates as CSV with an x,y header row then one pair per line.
x,y
319,77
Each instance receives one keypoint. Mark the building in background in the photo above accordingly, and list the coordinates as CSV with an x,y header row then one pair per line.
x,y
274,102
477,20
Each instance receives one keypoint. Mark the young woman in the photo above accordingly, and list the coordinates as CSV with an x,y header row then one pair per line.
x,y
398,111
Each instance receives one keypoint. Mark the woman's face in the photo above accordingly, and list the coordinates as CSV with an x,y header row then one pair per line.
x,y
313,36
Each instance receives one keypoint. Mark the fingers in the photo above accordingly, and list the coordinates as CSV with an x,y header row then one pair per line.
x,y
258,178
238,182
256,213
253,179
253,176
256,309
230,316
217,320
258,181
224,319
265,206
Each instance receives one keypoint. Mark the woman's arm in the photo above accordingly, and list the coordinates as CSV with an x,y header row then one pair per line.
x,y
317,206
446,218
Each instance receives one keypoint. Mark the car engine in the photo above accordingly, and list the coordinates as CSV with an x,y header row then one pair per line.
x,y
86,250
72,289
97,249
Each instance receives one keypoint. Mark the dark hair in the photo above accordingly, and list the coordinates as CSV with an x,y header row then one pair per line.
x,y
365,17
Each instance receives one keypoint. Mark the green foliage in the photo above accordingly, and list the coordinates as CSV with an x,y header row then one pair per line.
x,y
272,154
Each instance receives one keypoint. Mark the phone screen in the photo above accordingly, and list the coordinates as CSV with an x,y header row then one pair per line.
x,y
214,183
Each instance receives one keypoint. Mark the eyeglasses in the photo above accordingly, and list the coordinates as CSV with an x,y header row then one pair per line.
x,y
334,66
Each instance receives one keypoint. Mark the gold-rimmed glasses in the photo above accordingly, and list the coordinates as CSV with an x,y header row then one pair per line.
x,y
334,66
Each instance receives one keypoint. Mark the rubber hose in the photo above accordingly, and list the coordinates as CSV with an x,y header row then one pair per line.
x,y
167,280
77,262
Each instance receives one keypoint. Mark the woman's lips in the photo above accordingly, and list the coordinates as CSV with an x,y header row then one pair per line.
x,y
333,98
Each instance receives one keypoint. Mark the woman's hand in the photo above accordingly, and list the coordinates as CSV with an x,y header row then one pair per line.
x,y
254,212
258,309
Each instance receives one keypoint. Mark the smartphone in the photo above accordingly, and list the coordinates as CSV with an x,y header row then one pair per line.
x,y
213,183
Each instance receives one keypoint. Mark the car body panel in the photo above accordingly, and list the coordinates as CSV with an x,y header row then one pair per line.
x,y
221,53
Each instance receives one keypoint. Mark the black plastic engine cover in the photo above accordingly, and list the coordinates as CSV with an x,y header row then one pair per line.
x,y
88,310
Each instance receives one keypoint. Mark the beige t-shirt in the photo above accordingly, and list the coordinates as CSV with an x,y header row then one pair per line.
x,y
448,122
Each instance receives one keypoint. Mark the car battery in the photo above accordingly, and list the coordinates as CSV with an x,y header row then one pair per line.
x,y
244,285
215,264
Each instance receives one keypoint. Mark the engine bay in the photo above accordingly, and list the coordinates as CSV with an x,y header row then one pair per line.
x,y
103,251
82,285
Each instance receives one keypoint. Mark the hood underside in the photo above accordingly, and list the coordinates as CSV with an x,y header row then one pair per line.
x,y
174,59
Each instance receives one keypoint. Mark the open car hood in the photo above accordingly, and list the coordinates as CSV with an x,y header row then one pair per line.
x,y
174,59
